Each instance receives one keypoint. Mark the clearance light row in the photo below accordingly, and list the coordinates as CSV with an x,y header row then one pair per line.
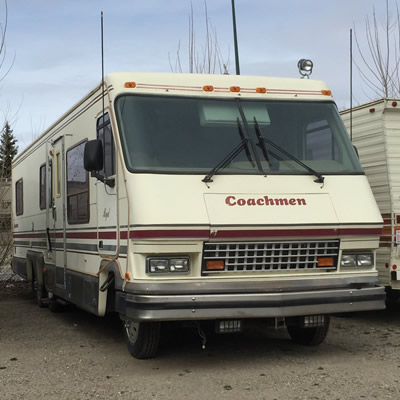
x,y
233,89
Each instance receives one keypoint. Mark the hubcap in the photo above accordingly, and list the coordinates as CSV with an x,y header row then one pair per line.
x,y
132,330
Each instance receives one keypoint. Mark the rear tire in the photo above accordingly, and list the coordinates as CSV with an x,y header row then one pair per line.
x,y
142,338
310,336
38,293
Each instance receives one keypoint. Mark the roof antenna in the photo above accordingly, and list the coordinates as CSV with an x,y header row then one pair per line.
x,y
351,85
102,59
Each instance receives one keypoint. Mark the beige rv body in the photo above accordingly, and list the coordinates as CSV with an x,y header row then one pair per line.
x,y
96,242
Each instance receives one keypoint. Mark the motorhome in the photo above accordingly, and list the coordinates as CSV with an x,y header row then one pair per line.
x,y
199,199
374,129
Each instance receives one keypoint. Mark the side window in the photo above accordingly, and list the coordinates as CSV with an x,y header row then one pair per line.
x,y
19,197
104,133
58,174
43,185
77,186
320,144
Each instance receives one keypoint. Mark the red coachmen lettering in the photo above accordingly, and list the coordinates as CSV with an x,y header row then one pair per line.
x,y
265,201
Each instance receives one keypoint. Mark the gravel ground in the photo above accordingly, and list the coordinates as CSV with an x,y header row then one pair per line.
x,y
75,355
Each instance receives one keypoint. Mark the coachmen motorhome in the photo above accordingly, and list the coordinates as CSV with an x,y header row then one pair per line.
x,y
200,199
375,133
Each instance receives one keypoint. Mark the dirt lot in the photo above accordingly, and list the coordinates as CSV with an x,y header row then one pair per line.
x,y
75,355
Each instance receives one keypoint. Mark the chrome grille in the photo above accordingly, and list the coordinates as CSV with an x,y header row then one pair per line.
x,y
270,256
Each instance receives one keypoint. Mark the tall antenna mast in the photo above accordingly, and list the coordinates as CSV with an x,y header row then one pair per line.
x,y
102,59
351,84
235,38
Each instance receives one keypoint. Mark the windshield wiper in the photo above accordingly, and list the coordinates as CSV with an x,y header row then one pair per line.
x,y
237,150
261,142
242,138
263,139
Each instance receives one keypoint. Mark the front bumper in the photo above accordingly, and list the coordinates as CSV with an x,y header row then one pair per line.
x,y
172,302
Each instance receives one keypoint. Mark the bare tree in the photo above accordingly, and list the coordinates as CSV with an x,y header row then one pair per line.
x,y
5,184
3,48
209,60
380,61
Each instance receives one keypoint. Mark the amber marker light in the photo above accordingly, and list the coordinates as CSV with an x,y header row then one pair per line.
x,y
325,262
235,89
326,92
208,88
130,85
127,276
261,90
215,265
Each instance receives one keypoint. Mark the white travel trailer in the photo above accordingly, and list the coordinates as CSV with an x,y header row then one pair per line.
x,y
181,197
375,133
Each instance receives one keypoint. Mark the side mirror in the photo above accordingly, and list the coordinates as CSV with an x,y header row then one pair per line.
x,y
93,156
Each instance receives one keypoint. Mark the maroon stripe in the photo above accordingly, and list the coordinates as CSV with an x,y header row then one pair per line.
x,y
81,235
28,235
299,232
179,233
205,233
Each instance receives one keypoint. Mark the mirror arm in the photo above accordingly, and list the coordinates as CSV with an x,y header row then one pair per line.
x,y
108,181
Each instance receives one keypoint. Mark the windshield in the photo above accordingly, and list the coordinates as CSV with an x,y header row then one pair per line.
x,y
192,135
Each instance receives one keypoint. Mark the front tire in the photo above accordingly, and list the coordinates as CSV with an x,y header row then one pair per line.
x,y
142,338
310,336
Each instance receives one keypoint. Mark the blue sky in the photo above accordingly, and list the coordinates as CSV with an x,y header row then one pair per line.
x,y
56,44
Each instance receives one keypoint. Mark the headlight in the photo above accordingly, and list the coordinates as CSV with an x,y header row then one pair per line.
x,y
352,260
365,260
165,265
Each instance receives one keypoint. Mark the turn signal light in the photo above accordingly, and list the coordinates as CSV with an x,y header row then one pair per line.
x,y
215,265
130,85
325,262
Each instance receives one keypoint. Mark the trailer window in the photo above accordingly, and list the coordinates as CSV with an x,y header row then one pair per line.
x,y
104,133
77,186
19,197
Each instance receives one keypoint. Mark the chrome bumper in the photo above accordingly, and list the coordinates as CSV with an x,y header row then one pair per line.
x,y
267,303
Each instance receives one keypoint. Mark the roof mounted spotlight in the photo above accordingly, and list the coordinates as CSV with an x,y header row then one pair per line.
x,y
305,68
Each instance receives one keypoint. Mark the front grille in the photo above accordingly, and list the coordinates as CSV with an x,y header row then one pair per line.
x,y
270,256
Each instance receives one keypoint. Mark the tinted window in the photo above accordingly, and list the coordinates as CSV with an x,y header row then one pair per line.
x,y
19,200
42,187
194,135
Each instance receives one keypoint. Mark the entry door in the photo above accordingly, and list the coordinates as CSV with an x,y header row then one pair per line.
x,y
57,209
107,201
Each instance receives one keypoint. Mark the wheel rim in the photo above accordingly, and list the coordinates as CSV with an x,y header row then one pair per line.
x,y
132,330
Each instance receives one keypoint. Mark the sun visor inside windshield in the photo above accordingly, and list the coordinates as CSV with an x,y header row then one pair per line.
x,y
222,113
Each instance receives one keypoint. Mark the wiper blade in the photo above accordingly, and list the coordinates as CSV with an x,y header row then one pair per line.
x,y
320,178
242,138
261,142
238,149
